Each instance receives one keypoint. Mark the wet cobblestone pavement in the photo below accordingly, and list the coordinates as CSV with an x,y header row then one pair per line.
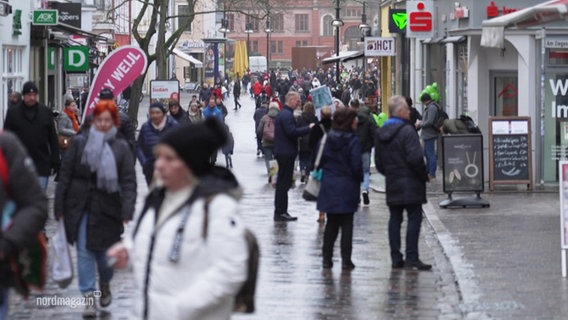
x,y
292,283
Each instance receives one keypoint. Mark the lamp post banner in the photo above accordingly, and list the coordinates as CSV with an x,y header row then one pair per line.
x,y
117,71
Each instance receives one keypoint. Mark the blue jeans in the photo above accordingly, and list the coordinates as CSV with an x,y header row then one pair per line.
x,y
43,182
268,155
4,302
366,157
412,231
87,260
305,158
430,154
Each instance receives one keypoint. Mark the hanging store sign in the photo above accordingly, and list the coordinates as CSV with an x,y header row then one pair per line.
x,y
397,20
76,59
420,19
68,13
379,47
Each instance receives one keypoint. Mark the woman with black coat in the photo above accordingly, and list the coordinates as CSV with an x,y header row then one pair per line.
x,y
339,194
95,195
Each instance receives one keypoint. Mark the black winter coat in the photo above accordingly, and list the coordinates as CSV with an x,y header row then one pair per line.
x,y
301,121
35,127
76,194
31,203
399,157
366,129
342,173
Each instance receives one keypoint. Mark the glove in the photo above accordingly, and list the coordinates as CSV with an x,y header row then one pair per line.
x,y
55,168
7,249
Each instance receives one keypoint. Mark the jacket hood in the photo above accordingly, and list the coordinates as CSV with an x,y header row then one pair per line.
x,y
219,180
337,140
273,112
389,130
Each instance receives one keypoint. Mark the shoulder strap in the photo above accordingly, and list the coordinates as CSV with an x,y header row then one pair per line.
x,y
4,176
320,150
206,203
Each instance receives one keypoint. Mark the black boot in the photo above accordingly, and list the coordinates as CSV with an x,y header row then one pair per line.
x,y
347,243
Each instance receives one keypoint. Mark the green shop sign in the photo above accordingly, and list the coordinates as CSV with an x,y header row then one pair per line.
x,y
397,20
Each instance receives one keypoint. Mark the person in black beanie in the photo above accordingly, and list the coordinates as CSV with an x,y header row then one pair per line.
x,y
33,124
150,133
190,191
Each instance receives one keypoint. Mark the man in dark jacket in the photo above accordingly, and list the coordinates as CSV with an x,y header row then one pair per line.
x,y
237,92
30,211
33,124
366,129
429,133
286,136
399,157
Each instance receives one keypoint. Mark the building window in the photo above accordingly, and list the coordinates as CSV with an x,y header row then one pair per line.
x,y
13,76
255,46
352,12
277,22
302,23
327,27
252,21
100,4
298,43
276,47
231,18
305,43
183,17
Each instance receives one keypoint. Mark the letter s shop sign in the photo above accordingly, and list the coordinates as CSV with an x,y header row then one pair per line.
x,y
420,22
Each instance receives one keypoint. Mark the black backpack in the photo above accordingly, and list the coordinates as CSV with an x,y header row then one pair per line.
x,y
441,116
470,124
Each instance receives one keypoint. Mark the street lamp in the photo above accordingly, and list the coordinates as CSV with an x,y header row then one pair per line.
x,y
365,29
268,30
248,31
337,23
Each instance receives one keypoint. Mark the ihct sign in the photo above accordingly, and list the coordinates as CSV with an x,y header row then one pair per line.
x,y
420,19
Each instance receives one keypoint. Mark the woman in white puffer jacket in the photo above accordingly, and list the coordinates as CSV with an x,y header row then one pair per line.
x,y
180,273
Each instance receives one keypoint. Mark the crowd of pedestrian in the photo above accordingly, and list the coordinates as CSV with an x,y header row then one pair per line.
x,y
177,150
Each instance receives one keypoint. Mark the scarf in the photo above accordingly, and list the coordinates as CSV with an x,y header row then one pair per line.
x,y
161,125
99,158
73,118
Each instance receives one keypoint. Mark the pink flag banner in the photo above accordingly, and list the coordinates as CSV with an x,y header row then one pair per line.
x,y
117,71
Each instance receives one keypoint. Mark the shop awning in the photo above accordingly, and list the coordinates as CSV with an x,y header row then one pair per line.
x,y
493,30
344,56
454,39
188,58
74,30
433,40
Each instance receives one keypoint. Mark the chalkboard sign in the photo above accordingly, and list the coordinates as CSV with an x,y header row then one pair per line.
x,y
463,163
509,151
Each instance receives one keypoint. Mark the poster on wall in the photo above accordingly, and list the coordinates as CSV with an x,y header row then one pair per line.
x,y
563,177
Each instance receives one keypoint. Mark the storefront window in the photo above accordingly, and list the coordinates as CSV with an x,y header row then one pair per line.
x,y
558,57
13,74
505,95
555,123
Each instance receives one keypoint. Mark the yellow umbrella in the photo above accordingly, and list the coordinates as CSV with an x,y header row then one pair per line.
x,y
241,58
